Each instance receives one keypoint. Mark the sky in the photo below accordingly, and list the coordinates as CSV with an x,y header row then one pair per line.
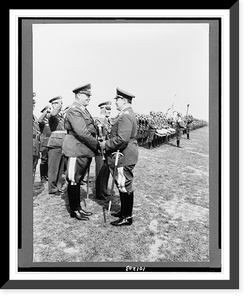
x,y
161,64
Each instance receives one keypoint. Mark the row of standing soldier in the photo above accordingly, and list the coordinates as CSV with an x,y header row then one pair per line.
x,y
68,140
149,125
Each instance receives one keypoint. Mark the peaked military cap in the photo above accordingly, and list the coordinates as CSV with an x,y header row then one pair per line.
x,y
106,104
85,89
120,94
46,107
55,98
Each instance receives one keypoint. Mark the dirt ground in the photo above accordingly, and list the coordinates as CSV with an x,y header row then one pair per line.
x,y
171,212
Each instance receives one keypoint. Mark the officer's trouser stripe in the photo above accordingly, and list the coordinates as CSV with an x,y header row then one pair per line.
x,y
71,169
121,180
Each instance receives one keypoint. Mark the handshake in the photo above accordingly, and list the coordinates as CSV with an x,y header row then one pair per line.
x,y
100,135
101,145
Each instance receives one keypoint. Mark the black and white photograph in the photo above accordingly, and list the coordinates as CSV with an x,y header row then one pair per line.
x,y
129,99
123,173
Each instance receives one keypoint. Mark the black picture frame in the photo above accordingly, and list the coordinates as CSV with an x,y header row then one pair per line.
x,y
233,283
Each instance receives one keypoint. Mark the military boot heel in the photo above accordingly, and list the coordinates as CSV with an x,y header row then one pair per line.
x,y
126,219
79,215
74,202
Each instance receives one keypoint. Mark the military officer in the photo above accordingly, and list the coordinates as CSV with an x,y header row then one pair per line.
x,y
189,121
123,138
151,131
139,127
179,126
44,138
79,146
36,139
103,124
56,159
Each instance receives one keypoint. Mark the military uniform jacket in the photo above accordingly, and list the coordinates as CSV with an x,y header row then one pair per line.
x,y
80,140
123,138
179,126
189,122
56,124
106,124
45,133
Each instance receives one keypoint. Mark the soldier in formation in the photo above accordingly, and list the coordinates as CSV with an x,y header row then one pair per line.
x,y
151,131
189,120
154,129
179,127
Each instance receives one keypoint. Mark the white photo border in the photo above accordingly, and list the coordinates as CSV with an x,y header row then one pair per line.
x,y
224,15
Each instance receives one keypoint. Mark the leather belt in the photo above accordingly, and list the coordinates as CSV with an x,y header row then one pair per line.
x,y
59,131
71,132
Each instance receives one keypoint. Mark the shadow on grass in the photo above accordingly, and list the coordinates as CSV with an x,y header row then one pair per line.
x,y
115,202
171,144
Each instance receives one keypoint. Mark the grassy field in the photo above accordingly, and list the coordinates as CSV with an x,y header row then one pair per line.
x,y
171,212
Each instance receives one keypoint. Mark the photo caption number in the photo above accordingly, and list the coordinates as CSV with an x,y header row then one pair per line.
x,y
135,269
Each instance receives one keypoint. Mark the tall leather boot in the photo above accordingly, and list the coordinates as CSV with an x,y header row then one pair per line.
x,y
130,205
120,213
42,173
99,184
74,202
84,212
46,171
126,219
178,143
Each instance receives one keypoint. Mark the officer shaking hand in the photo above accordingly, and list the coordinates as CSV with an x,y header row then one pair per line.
x,y
123,138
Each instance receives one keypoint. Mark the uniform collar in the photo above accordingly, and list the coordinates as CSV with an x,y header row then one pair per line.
x,y
124,110
85,111
83,108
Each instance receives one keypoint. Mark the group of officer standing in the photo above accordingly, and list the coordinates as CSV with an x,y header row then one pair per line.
x,y
70,138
